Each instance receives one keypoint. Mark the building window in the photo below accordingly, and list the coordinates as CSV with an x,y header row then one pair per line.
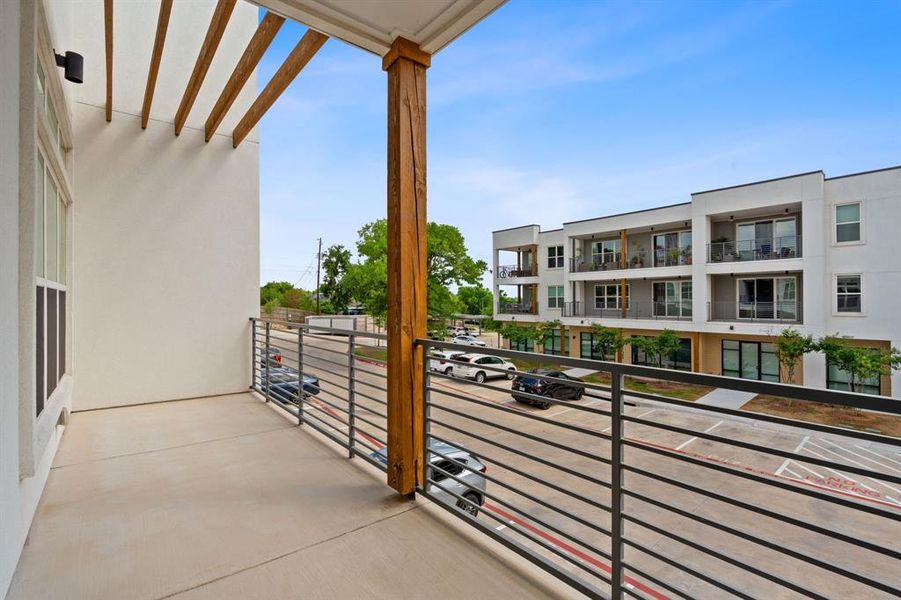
x,y
672,249
680,359
523,345
767,298
554,257
750,360
847,222
50,285
589,348
672,299
605,253
837,379
769,238
555,296
848,294
555,343
607,295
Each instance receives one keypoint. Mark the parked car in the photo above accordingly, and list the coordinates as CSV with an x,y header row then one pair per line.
x,y
455,331
468,340
286,391
474,487
475,367
562,387
438,360
273,354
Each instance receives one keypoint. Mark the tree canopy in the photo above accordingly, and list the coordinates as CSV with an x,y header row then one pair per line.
x,y
335,265
475,300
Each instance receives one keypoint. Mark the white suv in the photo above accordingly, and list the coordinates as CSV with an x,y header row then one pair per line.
x,y
468,340
438,360
475,367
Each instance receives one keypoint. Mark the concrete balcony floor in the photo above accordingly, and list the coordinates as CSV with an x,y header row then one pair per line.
x,y
224,497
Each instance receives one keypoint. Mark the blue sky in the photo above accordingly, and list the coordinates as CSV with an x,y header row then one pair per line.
x,y
556,111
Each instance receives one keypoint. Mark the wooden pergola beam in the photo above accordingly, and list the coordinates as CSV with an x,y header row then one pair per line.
x,y
258,44
305,49
406,65
108,37
214,33
162,26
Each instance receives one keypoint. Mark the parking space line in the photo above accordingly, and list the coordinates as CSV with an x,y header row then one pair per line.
x,y
605,430
797,449
877,454
849,478
569,409
708,430
861,456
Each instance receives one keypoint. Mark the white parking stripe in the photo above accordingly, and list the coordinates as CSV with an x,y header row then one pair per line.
x,y
569,409
849,478
638,417
797,449
793,474
894,489
861,456
809,469
882,456
708,430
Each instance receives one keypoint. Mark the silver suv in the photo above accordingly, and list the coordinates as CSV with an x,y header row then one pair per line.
x,y
440,485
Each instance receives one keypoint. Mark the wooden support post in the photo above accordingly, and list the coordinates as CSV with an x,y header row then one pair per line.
x,y
406,65
108,39
534,254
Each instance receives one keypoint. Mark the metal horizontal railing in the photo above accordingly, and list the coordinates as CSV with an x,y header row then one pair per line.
x,y
518,308
626,492
512,271
637,309
761,312
770,248
633,260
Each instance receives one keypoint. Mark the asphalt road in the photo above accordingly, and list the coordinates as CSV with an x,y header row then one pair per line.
x,y
564,515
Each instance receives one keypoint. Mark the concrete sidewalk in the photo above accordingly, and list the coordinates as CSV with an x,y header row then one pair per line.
x,y
726,398
225,498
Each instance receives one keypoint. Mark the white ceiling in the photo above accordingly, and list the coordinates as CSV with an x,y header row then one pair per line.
x,y
373,24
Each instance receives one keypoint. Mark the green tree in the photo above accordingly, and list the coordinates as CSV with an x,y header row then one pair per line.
x,y
335,265
447,262
274,290
522,334
791,346
298,299
608,340
475,300
269,306
659,347
859,362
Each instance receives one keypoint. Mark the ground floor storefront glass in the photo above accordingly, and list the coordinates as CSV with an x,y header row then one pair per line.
x,y
750,360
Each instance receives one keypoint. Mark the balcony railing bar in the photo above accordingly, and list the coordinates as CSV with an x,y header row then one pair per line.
x,y
525,533
378,400
536,479
760,510
311,356
762,542
372,385
764,449
528,436
317,369
799,489
658,582
525,308
771,248
533,498
514,271
513,450
636,309
368,422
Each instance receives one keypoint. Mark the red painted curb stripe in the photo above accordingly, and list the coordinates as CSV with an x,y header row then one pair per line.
x,y
573,551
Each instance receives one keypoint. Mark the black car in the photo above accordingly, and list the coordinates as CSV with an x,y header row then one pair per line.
x,y
562,387
286,391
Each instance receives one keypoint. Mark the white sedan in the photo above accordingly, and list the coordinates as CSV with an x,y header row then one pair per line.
x,y
475,367
468,340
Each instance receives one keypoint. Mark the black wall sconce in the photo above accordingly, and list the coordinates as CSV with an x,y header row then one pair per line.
x,y
72,64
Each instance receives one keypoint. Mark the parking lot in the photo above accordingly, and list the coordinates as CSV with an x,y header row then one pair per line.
x,y
547,485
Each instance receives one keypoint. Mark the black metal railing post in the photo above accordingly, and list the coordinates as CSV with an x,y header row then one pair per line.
x,y
301,393
267,358
426,415
351,427
253,353
616,485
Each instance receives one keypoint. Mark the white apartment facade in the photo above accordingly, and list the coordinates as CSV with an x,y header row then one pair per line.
x,y
129,257
728,271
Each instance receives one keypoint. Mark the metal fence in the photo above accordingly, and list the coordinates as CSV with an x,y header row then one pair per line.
x,y
677,310
623,491
769,248
787,311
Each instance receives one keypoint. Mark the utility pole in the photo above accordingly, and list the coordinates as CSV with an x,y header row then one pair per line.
x,y
318,268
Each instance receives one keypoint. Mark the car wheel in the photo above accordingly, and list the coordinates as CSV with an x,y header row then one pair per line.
x,y
480,377
511,375
544,405
449,371
469,508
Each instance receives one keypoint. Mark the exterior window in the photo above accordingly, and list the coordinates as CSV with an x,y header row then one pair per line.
x,y
750,360
768,298
554,257
847,223
554,344
848,293
523,346
588,348
837,379
605,253
672,299
50,288
672,249
555,296
679,360
607,295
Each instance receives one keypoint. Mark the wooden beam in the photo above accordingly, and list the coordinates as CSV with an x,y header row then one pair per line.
x,y
108,35
162,25
261,39
305,49
406,270
214,33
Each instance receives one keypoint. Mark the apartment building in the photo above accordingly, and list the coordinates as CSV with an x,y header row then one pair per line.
x,y
728,270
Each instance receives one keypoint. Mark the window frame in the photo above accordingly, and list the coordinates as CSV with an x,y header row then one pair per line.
x,y
859,222
556,257
830,382
835,294
616,285
661,260
558,298
680,294
670,362
776,310
760,352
